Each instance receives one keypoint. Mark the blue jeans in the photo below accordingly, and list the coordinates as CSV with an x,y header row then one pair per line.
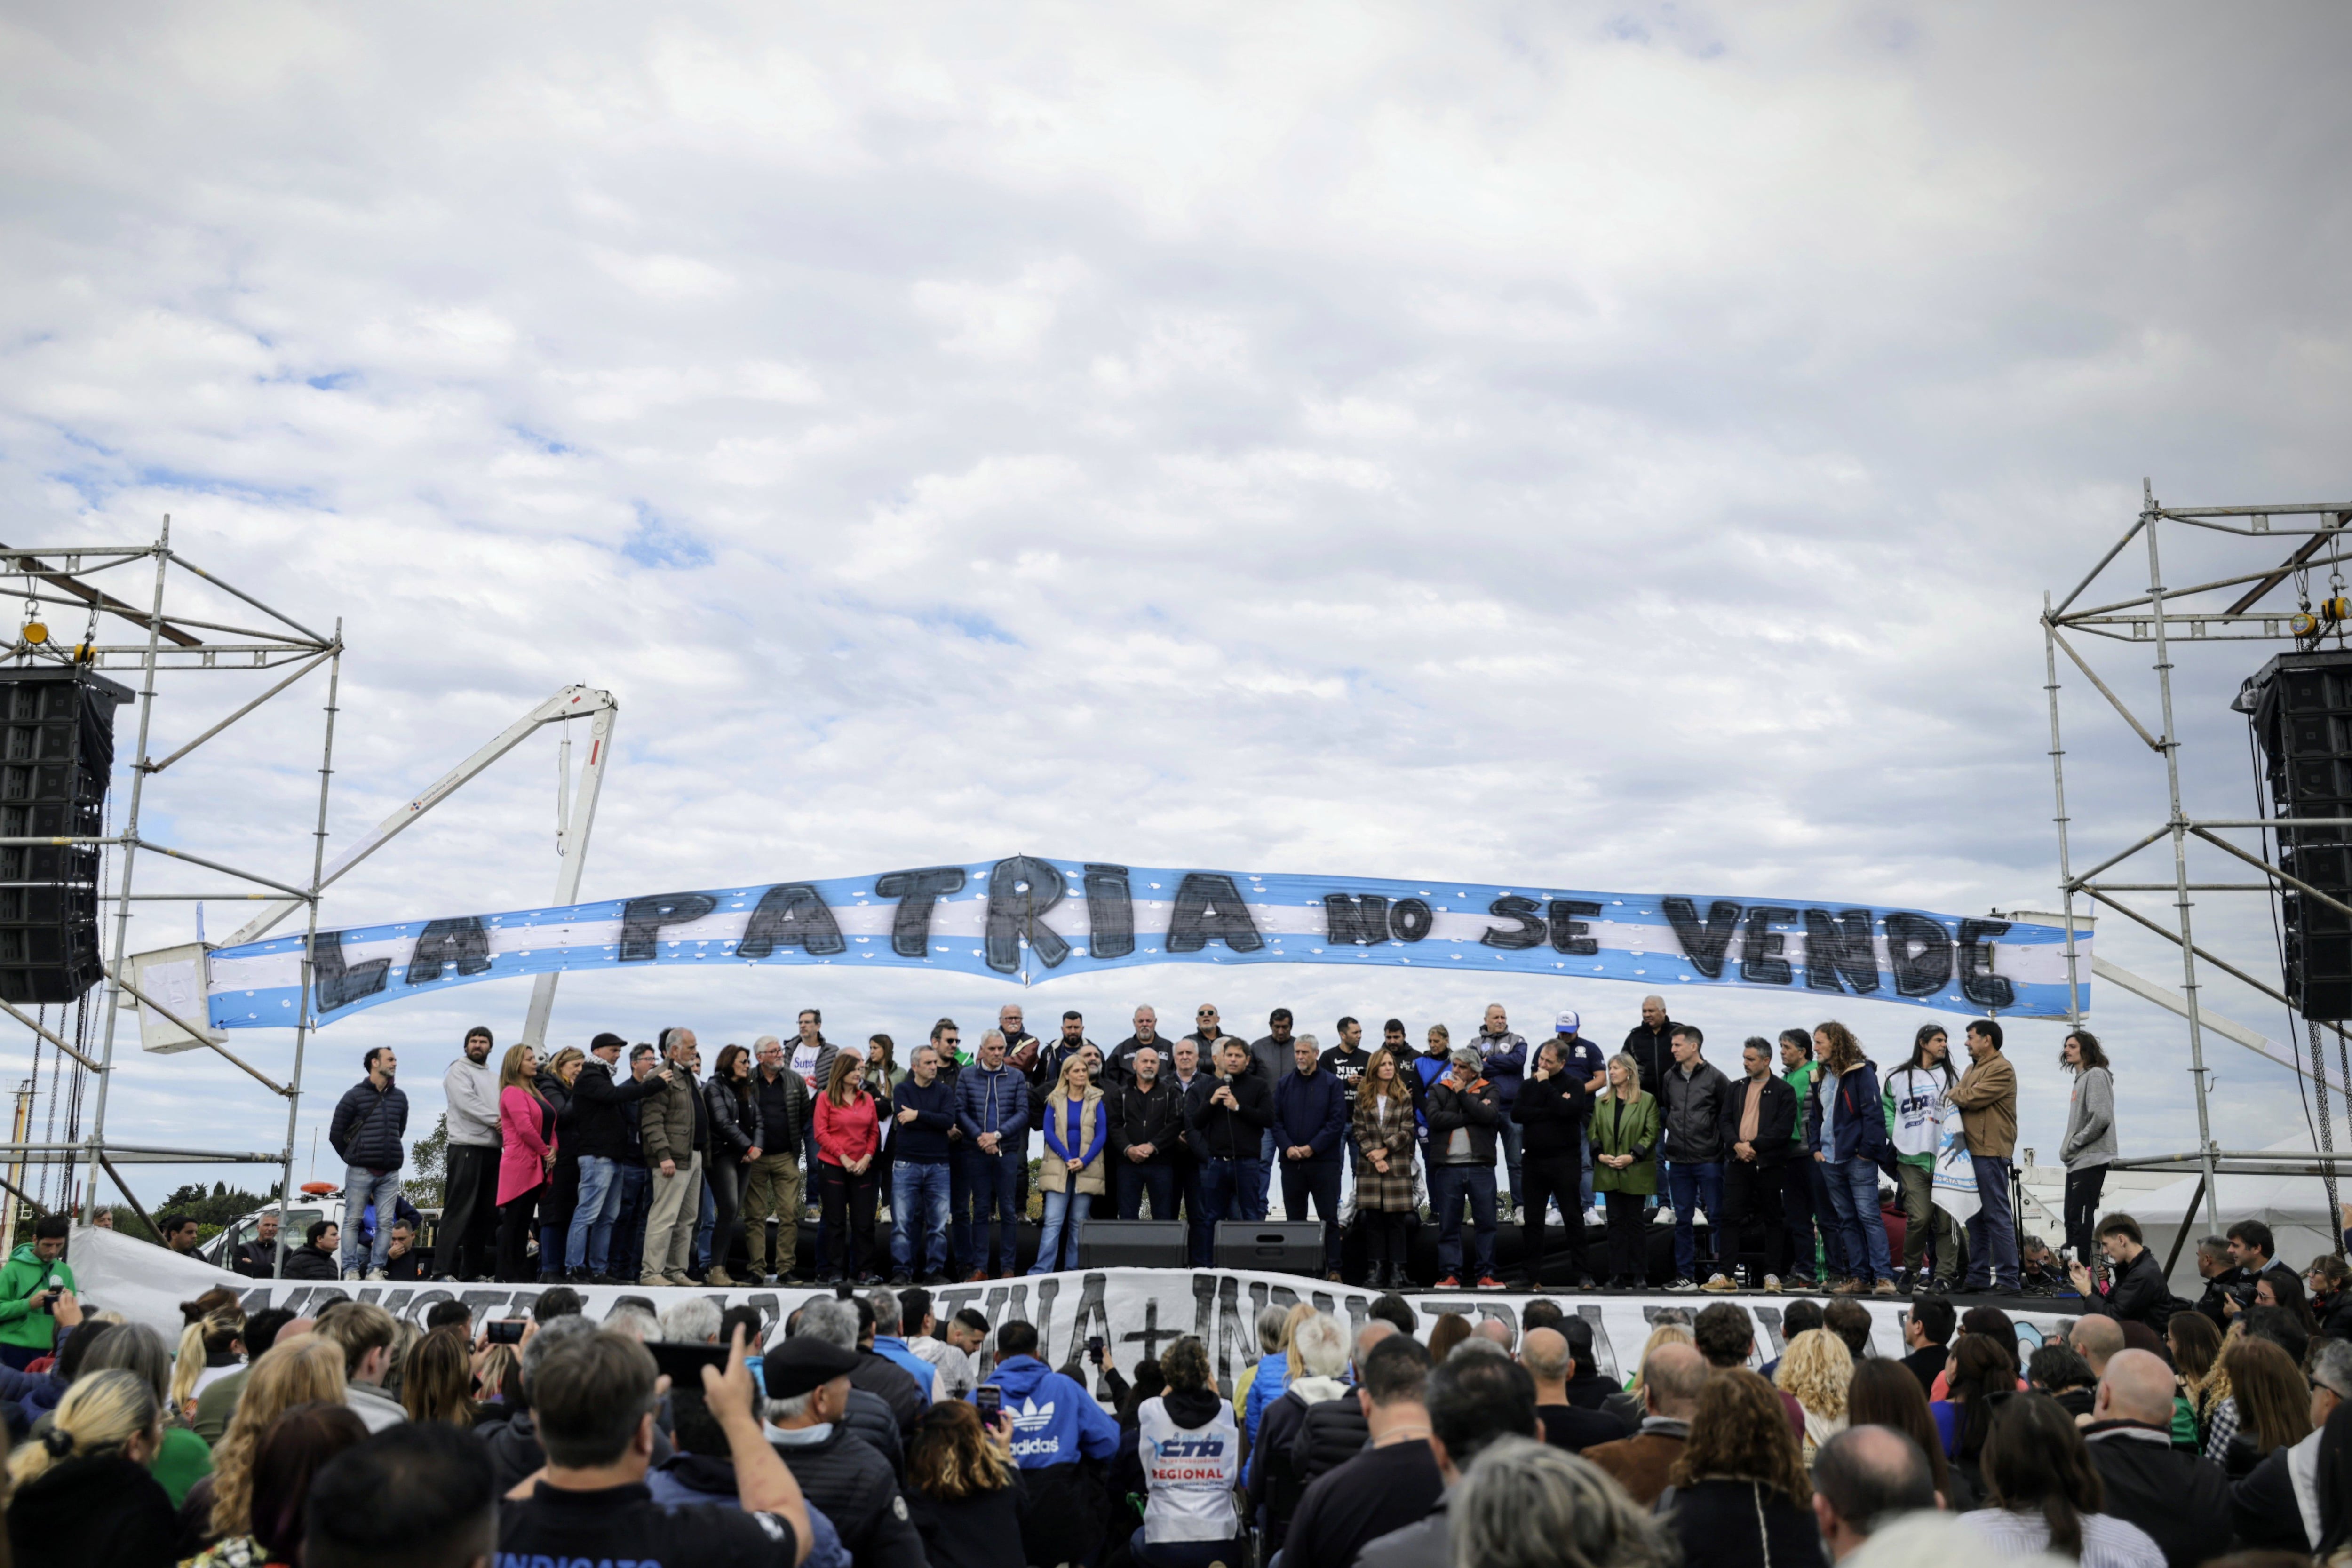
x,y
626,1254
1992,1233
704,1218
1066,1212
1854,1198
590,1241
1228,1191
1134,1180
1317,1180
1448,1186
918,1195
995,1180
361,1188
1692,1185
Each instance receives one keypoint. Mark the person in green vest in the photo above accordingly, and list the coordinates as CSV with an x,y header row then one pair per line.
x,y
1804,1196
36,1293
1625,1169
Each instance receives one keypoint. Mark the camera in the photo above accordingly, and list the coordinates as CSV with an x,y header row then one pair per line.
x,y
502,1331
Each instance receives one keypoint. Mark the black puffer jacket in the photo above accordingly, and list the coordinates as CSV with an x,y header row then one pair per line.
x,y
735,1121
1332,1432
1554,1111
857,1491
367,1124
604,1112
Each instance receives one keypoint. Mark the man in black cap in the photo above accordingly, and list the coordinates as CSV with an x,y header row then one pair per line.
x,y
808,1391
595,1397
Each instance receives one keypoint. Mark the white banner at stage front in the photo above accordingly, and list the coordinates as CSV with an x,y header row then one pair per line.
x,y
1138,1311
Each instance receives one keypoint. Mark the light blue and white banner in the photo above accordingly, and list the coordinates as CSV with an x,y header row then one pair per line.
x,y
1028,918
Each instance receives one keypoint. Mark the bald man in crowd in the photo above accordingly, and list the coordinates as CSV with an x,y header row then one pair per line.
x,y
1672,1378
1550,1359
2181,1500
2096,1340
1866,1478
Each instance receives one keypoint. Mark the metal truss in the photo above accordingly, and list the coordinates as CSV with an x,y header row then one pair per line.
x,y
2163,620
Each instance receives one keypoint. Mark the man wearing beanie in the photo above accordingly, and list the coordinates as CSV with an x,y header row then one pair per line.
x,y
840,1472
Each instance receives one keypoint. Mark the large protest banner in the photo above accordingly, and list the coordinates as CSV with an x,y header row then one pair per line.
x,y
1028,918
1138,1312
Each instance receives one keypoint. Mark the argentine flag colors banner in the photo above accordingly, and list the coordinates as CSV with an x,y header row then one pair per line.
x,y
1028,918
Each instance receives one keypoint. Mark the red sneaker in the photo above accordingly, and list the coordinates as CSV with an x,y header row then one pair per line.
x,y
1448,1283
1488,1283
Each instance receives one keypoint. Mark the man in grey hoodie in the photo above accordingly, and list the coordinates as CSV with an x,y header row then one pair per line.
x,y
471,1087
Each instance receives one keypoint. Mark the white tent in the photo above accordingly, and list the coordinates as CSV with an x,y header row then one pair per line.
x,y
2294,1207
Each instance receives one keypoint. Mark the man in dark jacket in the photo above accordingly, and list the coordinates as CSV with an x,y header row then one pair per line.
x,y
365,1130
772,1185
1464,1114
1146,1124
2224,1281
1550,1111
2136,1289
838,1471
1120,1066
924,1113
1047,1071
992,1103
1225,1116
2181,1500
315,1258
1759,1115
1503,1053
258,1259
598,1132
1310,1122
1692,1101
1651,1043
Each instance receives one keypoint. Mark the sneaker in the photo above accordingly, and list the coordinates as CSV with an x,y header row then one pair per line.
x,y
1939,1285
1449,1282
1773,1284
1718,1284
1802,1282
351,1273
1884,1287
651,1279
1680,1286
1851,1288
1488,1283
378,1274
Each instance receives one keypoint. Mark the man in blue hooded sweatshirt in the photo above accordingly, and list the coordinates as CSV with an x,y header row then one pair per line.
x,y
1062,1439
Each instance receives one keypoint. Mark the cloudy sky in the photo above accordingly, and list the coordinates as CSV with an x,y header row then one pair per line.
x,y
1608,446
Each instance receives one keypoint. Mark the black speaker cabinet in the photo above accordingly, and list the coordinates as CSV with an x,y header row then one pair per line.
x,y
1135,1243
56,754
2301,706
1274,1247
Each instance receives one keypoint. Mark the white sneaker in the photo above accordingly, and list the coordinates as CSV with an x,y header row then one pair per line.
x,y
351,1273
1772,1283
1718,1284
378,1274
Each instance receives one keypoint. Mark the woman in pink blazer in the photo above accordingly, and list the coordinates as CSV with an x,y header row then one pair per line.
x,y
527,1152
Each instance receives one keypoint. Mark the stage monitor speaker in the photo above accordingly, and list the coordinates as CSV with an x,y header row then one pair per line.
x,y
2301,707
1271,1245
1135,1243
56,754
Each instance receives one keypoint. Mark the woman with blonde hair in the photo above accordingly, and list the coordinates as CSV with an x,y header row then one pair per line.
x,y
296,1447
1739,1478
80,1492
526,1156
2268,1405
210,1347
438,1378
300,1368
1077,1125
181,1460
849,1140
1626,1131
557,1074
1816,1369
1387,1136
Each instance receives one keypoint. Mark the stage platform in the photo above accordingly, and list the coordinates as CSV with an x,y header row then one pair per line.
x,y
1140,1312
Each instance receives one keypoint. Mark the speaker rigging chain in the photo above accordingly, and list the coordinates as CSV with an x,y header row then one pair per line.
x,y
2326,1120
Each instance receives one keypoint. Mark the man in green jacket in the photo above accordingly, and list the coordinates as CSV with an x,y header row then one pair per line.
x,y
1801,1194
33,1282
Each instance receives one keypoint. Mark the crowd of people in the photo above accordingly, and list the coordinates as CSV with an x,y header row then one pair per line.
x,y
861,1431
1799,1165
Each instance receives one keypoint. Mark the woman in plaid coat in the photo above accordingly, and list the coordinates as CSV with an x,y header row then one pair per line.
x,y
1384,1132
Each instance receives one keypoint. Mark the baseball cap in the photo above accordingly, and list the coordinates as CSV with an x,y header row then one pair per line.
x,y
1566,1024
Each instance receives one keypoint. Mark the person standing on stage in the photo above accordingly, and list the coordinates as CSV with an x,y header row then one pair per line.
x,y
922,1117
739,1139
1147,1129
1804,1190
1651,1043
1347,1061
811,1057
1691,1103
1021,1047
1225,1117
365,1130
1504,1056
1180,1071
772,1185
1046,1076
1846,1131
1581,1059
674,1138
2090,1141
1553,1105
1310,1124
1756,1120
1270,1056
1077,1130
1625,1169
849,1146
602,1113
1915,1095
527,1124
1119,1067
1987,1096
471,1088
1385,1139
992,1110
1462,1113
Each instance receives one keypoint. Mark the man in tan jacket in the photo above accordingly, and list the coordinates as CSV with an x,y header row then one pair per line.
x,y
1672,1379
1987,1096
671,1125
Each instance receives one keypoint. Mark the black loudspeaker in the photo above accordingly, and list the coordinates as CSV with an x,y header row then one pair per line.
x,y
56,754
1135,1243
2301,705
1271,1245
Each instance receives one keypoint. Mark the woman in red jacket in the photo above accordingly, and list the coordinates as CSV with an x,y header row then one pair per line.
x,y
848,1137
526,1154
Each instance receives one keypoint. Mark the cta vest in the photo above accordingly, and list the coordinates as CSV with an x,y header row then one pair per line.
x,y
1191,1473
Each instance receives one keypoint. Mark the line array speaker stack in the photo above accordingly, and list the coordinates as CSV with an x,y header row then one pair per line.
x,y
56,754
2301,705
